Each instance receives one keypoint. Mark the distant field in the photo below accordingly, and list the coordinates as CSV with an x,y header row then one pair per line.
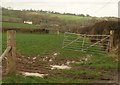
x,y
65,17
71,17
16,25
11,19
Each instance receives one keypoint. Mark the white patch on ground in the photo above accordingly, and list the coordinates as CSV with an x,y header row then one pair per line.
x,y
68,62
85,59
34,58
73,62
55,54
23,56
28,57
50,60
60,67
34,74
45,58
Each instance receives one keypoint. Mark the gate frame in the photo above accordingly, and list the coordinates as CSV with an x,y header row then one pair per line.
x,y
110,42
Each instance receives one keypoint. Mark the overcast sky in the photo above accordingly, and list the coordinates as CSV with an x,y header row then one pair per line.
x,y
98,8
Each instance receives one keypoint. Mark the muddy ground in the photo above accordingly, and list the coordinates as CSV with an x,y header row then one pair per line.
x,y
43,64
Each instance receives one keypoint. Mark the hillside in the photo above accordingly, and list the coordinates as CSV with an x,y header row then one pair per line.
x,y
47,19
17,25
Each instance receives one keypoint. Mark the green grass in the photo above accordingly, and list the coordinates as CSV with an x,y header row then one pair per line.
x,y
21,79
41,44
67,17
99,58
81,73
71,17
37,44
9,18
100,61
16,25
47,44
57,79
70,76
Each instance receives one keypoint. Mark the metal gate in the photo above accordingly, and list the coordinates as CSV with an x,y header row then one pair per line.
x,y
84,42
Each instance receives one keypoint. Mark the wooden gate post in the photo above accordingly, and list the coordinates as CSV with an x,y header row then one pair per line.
x,y
111,39
11,41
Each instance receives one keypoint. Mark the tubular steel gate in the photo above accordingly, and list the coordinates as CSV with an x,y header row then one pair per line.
x,y
88,43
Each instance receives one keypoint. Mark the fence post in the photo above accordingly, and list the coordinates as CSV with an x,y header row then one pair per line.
x,y
11,41
111,39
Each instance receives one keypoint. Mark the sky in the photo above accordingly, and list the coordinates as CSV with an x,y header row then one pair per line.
x,y
99,8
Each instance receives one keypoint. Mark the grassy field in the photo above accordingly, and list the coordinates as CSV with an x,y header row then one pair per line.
x,y
6,18
71,17
47,44
57,79
64,17
16,25
40,44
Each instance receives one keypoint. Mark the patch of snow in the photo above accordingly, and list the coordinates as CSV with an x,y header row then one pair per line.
x,y
34,74
28,57
68,62
34,58
62,64
60,67
52,68
50,60
86,59
46,57
73,62
55,54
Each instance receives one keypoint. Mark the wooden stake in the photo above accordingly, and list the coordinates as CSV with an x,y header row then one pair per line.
x,y
111,40
11,41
